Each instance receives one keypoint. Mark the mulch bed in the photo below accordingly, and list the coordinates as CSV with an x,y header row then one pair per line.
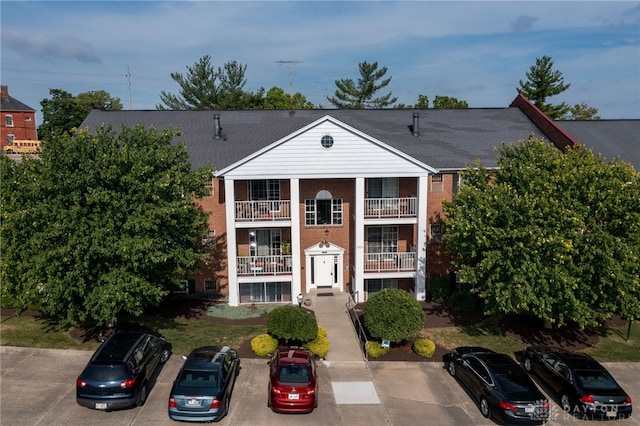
x,y
528,330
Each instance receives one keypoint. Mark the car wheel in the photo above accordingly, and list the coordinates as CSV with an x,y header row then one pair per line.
x,y
142,395
566,404
451,367
527,364
484,407
166,353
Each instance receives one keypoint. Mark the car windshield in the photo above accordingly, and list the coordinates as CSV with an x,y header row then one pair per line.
x,y
106,372
598,379
198,379
294,374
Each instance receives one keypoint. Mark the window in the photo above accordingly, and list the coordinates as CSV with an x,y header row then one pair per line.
x,y
10,138
265,242
458,181
211,286
8,120
208,186
265,292
436,183
377,285
382,187
323,210
436,233
382,239
210,238
264,189
184,288
326,141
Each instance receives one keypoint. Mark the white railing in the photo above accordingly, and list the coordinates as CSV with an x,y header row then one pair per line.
x,y
258,211
389,262
264,265
389,207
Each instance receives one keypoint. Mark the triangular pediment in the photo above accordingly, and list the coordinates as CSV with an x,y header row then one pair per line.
x,y
302,154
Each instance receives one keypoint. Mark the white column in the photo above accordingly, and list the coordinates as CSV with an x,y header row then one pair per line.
x,y
421,243
359,241
232,252
296,261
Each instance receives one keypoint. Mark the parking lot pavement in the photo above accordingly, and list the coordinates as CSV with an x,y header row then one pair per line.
x,y
37,387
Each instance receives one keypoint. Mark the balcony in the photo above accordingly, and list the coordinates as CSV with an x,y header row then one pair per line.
x,y
261,211
382,208
390,262
263,265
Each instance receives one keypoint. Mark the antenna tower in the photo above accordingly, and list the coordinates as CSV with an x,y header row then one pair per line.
x,y
290,63
128,75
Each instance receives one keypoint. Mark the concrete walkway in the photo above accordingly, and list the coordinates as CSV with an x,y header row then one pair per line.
x,y
348,372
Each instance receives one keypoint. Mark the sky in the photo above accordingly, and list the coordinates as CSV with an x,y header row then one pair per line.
x,y
477,51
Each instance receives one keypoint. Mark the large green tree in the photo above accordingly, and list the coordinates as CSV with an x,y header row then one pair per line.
x,y
204,87
276,98
64,112
544,82
352,95
549,233
582,111
101,225
449,102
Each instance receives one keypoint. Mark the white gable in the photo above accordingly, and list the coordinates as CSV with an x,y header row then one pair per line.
x,y
301,155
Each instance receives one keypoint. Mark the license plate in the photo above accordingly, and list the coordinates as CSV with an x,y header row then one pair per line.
x,y
529,409
101,405
193,402
612,414
294,396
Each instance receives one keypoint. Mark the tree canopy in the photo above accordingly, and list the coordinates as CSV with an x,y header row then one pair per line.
x,y
101,225
204,87
543,82
276,98
548,233
582,111
64,112
449,102
350,95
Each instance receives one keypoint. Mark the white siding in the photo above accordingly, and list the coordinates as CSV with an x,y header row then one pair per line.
x,y
302,156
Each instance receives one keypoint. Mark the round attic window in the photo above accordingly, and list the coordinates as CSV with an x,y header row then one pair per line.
x,y
326,141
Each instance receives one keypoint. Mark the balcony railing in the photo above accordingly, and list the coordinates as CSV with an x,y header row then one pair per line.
x,y
389,262
379,208
264,265
260,211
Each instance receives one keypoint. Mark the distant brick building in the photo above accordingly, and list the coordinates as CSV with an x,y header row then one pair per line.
x,y
18,125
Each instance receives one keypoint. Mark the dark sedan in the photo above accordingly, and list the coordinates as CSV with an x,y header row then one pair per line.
x,y
501,387
582,385
203,386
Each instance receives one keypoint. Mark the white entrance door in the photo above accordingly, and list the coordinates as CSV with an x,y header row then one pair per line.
x,y
324,266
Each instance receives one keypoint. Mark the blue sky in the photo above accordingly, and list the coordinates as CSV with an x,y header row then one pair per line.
x,y
476,51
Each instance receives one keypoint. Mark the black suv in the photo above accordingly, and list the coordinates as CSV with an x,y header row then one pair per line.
x,y
118,374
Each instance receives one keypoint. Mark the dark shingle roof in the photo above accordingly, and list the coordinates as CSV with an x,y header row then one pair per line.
x,y
449,138
611,138
8,104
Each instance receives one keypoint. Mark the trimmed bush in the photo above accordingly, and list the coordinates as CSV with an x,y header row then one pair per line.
x,y
292,324
319,346
393,315
440,288
322,331
424,347
375,349
264,344
462,301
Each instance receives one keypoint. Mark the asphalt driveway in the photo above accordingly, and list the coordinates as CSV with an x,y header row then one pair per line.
x,y
37,387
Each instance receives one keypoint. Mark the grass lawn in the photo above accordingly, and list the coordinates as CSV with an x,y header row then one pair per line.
x,y
613,345
184,335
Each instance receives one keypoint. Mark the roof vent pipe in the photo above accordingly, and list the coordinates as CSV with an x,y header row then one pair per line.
x,y
415,129
217,129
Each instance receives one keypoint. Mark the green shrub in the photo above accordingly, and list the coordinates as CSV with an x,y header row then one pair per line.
x,y
424,347
393,315
292,324
462,301
322,331
375,349
440,288
319,346
264,344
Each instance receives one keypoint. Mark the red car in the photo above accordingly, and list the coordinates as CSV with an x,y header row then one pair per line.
x,y
293,382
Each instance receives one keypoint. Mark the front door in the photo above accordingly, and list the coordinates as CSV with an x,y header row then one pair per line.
x,y
324,270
